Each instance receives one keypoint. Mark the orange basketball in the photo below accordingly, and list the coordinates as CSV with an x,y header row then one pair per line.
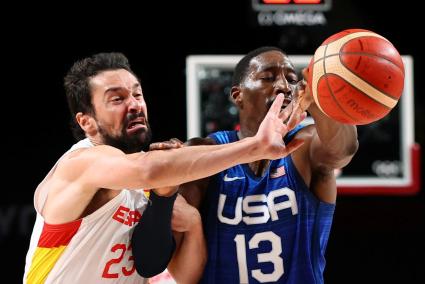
x,y
356,76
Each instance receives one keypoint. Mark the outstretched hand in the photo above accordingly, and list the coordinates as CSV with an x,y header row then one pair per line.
x,y
273,128
302,99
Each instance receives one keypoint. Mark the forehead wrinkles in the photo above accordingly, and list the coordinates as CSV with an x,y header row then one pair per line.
x,y
121,78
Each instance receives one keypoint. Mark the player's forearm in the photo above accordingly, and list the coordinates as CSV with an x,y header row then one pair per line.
x,y
152,239
339,139
190,257
182,165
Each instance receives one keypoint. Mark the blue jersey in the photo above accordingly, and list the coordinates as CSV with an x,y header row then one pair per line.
x,y
268,229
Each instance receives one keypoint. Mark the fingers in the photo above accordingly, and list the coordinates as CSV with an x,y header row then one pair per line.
x,y
282,129
296,117
305,73
156,146
286,112
277,104
292,115
174,143
302,85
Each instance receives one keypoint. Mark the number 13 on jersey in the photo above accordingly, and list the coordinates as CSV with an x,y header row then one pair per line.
x,y
273,256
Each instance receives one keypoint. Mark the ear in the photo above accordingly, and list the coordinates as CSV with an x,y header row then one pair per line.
x,y
87,123
237,96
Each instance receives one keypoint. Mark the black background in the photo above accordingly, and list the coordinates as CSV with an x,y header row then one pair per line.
x,y
374,239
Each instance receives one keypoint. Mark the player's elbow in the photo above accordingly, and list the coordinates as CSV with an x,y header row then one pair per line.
x,y
345,152
335,158
343,158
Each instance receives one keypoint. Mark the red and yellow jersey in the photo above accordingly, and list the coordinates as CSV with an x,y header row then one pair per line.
x,y
94,249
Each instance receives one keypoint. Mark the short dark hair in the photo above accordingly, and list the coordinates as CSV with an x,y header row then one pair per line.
x,y
242,66
76,83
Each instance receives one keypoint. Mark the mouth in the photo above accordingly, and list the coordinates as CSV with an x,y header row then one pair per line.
x,y
136,124
287,100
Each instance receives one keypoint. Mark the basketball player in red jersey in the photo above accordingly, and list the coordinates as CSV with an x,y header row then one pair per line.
x,y
88,204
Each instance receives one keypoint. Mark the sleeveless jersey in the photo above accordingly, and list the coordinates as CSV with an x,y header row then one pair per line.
x,y
268,229
94,249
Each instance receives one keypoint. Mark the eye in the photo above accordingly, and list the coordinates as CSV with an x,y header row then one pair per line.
x,y
116,99
138,96
292,81
268,77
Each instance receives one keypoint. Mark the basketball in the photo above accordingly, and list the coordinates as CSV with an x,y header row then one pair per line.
x,y
356,76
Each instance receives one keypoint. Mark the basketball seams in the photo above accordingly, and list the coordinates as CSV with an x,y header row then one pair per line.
x,y
373,55
359,53
334,98
374,87
329,88
320,52
346,78
339,71
317,74
354,87
334,47
359,83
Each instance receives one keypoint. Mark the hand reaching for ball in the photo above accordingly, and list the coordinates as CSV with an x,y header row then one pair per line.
x,y
302,95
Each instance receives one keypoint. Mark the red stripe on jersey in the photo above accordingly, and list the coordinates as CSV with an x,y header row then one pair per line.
x,y
58,234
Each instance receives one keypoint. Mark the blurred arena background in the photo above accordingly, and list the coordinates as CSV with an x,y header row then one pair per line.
x,y
376,238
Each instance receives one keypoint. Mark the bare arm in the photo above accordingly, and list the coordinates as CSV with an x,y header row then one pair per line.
x,y
190,255
333,144
188,262
82,173
328,145
107,167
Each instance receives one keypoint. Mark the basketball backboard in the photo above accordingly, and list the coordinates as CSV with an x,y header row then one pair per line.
x,y
386,163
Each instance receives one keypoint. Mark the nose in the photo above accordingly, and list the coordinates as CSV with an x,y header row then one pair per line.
x,y
134,105
282,86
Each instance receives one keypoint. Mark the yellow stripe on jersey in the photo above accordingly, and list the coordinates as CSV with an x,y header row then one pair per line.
x,y
42,263
52,242
147,192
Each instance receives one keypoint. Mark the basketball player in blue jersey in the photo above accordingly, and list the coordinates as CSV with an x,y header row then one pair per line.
x,y
268,221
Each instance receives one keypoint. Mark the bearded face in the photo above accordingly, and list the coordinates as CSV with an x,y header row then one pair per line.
x,y
135,134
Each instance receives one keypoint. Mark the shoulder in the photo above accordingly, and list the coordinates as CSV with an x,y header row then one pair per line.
x,y
75,162
92,152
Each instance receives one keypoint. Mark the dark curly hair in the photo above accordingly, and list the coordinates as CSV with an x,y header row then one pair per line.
x,y
76,83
